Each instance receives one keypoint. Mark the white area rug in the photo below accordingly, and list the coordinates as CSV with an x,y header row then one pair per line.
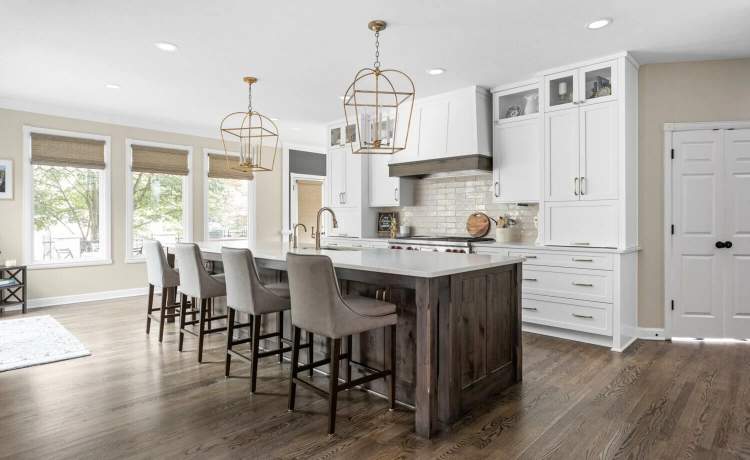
x,y
36,340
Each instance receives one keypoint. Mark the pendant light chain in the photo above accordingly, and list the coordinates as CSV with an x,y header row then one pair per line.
x,y
376,64
250,98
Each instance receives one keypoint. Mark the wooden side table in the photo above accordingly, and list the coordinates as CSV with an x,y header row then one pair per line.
x,y
13,287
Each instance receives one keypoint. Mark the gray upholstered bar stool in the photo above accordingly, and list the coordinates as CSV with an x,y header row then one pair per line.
x,y
319,307
198,284
246,293
161,276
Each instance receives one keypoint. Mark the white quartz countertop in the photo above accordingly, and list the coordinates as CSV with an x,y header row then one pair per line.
x,y
534,246
408,263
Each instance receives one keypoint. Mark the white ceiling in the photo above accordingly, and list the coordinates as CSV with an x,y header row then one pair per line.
x,y
62,53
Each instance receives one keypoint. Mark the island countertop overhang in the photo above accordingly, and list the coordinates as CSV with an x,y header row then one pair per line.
x,y
386,261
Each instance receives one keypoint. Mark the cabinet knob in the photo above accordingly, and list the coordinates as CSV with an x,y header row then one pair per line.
x,y
724,244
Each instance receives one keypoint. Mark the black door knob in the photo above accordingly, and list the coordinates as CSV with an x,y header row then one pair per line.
x,y
720,245
727,244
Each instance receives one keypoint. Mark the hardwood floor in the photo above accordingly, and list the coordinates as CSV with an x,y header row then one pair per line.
x,y
136,398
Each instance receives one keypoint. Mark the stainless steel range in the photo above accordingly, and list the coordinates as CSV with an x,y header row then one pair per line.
x,y
459,244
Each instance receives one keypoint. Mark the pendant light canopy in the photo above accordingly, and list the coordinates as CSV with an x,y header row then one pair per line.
x,y
379,102
257,135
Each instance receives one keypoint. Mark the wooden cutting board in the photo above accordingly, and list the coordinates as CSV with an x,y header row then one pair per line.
x,y
478,224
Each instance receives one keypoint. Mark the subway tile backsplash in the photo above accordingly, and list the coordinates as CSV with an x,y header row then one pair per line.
x,y
442,205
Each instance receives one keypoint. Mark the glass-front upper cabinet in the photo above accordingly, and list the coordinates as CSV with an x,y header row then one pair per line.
x,y
590,84
351,133
517,103
561,89
335,136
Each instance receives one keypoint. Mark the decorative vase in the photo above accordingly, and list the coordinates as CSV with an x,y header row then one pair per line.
x,y
532,104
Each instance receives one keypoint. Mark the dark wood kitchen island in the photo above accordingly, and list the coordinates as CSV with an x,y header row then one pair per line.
x,y
459,326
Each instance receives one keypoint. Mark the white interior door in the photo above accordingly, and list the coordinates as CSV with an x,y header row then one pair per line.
x,y
737,231
698,215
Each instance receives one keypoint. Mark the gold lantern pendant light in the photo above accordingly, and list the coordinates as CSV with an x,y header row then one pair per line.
x,y
380,102
257,135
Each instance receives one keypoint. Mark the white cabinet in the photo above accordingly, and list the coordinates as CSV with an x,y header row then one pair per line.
x,y
516,145
341,134
590,84
581,153
456,123
593,224
388,191
598,152
337,176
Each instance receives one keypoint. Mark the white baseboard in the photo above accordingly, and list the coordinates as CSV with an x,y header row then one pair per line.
x,y
89,297
651,333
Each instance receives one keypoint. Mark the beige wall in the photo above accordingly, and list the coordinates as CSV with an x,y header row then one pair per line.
x,y
118,275
677,92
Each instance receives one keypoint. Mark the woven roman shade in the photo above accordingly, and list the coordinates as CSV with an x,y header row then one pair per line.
x,y
160,160
219,167
75,152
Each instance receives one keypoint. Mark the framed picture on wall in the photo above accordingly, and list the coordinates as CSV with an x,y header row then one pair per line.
x,y
6,179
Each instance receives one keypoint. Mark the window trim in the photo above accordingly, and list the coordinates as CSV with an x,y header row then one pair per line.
x,y
251,208
187,194
105,201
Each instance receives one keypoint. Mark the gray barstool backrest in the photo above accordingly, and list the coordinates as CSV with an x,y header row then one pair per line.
x,y
315,294
159,272
245,290
194,279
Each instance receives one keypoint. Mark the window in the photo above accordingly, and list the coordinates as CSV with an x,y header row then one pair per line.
x,y
67,204
229,211
158,199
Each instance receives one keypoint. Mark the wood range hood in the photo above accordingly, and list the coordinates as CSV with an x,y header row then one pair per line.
x,y
461,164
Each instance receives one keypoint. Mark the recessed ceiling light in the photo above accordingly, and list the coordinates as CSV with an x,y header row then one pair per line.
x,y
599,23
166,46
436,71
112,86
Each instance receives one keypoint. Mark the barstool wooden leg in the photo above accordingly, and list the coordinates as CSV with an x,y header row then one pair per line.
x,y
392,377
201,328
150,307
310,352
256,350
163,313
348,360
230,339
195,307
281,335
296,333
183,314
333,385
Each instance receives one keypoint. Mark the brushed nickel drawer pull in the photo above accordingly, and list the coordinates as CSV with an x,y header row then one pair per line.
x,y
530,257
530,279
582,316
583,284
582,260
581,243
530,308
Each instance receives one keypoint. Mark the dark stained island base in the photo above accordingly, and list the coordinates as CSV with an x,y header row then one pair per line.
x,y
459,323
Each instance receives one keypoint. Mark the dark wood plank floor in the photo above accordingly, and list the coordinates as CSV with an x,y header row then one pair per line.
x,y
135,398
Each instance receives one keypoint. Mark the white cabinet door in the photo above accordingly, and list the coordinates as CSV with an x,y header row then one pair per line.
x,y
581,224
561,90
515,161
561,153
737,205
433,130
354,179
698,209
337,159
462,127
598,150
598,83
384,190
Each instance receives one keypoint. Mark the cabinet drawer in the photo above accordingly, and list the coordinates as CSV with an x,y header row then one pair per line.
x,y
577,315
593,285
566,259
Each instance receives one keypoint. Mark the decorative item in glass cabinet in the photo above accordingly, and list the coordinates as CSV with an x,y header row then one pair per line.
x,y
378,102
562,92
257,135
532,104
513,111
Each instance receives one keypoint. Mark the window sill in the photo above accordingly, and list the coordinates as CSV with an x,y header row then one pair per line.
x,y
82,263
